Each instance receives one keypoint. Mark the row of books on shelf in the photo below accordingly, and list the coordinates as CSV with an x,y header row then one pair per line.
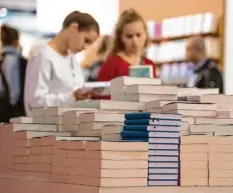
x,y
183,26
176,50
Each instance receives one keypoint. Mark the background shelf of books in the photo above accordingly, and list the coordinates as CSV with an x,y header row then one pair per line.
x,y
168,44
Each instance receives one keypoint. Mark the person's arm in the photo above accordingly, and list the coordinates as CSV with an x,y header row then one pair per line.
x,y
38,77
215,79
11,68
108,70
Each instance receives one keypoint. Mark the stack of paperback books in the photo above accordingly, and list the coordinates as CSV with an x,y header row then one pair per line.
x,y
162,133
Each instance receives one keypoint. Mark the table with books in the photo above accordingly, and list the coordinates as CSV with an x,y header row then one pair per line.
x,y
149,143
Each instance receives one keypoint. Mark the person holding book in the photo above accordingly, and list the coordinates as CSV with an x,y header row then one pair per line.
x,y
206,72
129,45
53,77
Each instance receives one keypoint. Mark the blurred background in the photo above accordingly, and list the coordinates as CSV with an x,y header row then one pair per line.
x,y
169,23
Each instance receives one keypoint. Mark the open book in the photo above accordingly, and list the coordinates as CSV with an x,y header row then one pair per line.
x,y
97,88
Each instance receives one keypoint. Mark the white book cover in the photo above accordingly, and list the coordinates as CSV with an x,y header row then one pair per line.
x,y
102,88
164,140
164,134
163,153
163,159
163,171
163,165
163,183
163,147
163,177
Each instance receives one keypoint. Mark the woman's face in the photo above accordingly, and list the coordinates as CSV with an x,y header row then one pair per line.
x,y
80,40
134,37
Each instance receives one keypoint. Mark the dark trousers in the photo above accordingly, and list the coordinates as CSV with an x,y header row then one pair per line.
x,y
6,111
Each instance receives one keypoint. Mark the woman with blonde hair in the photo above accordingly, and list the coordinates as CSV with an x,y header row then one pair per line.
x,y
129,45
95,56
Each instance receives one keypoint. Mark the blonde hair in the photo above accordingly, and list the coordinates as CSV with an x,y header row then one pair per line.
x,y
127,17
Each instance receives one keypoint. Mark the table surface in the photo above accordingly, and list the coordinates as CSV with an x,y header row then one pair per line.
x,y
8,185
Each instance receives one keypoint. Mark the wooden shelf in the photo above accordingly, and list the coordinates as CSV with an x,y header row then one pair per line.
x,y
167,39
178,61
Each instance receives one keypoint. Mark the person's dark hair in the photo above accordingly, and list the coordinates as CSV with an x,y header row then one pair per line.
x,y
85,21
9,35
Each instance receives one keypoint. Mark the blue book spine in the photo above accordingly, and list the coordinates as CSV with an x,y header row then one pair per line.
x,y
134,134
147,115
153,122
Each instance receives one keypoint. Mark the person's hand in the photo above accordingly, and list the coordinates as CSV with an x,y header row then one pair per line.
x,y
79,95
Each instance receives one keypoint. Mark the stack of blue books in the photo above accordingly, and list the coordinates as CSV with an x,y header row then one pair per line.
x,y
161,130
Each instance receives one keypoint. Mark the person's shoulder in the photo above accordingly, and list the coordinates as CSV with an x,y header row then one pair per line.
x,y
148,61
41,57
36,48
113,57
112,60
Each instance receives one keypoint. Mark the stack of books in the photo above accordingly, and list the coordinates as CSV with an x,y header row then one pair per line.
x,y
28,157
69,160
116,164
164,150
162,133
90,124
39,115
223,102
40,158
54,115
35,159
119,85
221,161
194,151
146,93
70,119
191,109
111,132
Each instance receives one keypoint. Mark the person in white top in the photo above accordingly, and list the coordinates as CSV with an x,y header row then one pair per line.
x,y
53,78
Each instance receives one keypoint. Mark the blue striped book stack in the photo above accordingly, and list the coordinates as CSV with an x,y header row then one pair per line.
x,y
162,133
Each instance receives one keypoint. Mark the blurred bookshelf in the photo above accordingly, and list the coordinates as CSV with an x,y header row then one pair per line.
x,y
168,37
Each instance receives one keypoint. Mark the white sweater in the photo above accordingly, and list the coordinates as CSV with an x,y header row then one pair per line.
x,y
51,79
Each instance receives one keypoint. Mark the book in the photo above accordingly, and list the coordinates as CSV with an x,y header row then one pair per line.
x,y
143,71
164,147
101,117
118,145
111,105
152,89
166,128
164,140
152,122
96,88
148,97
146,115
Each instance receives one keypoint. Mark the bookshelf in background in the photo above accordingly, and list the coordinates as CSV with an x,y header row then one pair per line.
x,y
168,38
167,46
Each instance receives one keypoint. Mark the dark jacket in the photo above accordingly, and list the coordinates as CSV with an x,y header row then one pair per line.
x,y
209,76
